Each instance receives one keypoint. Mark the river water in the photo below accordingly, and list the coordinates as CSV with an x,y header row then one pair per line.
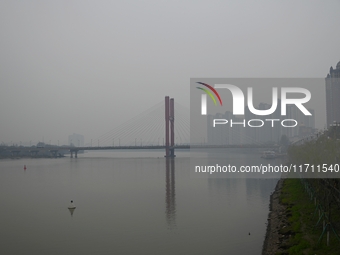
x,y
134,202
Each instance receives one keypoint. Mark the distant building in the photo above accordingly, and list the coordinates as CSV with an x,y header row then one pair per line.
x,y
76,140
305,121
333,95
224,134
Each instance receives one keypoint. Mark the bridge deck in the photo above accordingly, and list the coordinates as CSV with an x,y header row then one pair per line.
x,y
145,147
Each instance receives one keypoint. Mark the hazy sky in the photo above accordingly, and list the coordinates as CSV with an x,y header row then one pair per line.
x,y
87,66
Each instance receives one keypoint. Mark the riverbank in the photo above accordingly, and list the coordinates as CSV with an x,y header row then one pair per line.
x,y
277,219
294,226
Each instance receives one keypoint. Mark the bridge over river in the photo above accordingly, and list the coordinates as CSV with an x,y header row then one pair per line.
x,y
56,151
144,132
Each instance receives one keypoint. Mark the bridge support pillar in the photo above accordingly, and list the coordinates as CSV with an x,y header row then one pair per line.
x,y
34,154
167,114
54,153
169,123
172,128
75,153
15,154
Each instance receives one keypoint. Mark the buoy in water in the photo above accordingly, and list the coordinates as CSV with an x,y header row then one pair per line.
x,y
24,167
72,205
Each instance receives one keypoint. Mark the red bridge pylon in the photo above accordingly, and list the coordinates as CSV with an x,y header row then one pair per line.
x,y
169,123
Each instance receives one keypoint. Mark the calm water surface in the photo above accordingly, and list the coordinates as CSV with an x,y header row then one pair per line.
x,y
127,203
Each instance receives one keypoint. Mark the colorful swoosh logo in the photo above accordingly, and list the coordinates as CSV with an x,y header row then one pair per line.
x,y
209,93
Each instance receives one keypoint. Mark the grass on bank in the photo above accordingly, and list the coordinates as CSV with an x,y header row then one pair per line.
x,y
301,226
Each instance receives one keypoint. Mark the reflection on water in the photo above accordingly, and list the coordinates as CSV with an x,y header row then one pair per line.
x,y
121,207
71,210
170,192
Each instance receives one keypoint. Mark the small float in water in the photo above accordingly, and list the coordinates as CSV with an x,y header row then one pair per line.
x,y
72,205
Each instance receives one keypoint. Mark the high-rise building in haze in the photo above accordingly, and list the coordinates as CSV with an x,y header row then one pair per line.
x,y
333,95
225,134
76,140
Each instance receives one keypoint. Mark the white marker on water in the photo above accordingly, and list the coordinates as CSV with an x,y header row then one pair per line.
x,y
72,205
